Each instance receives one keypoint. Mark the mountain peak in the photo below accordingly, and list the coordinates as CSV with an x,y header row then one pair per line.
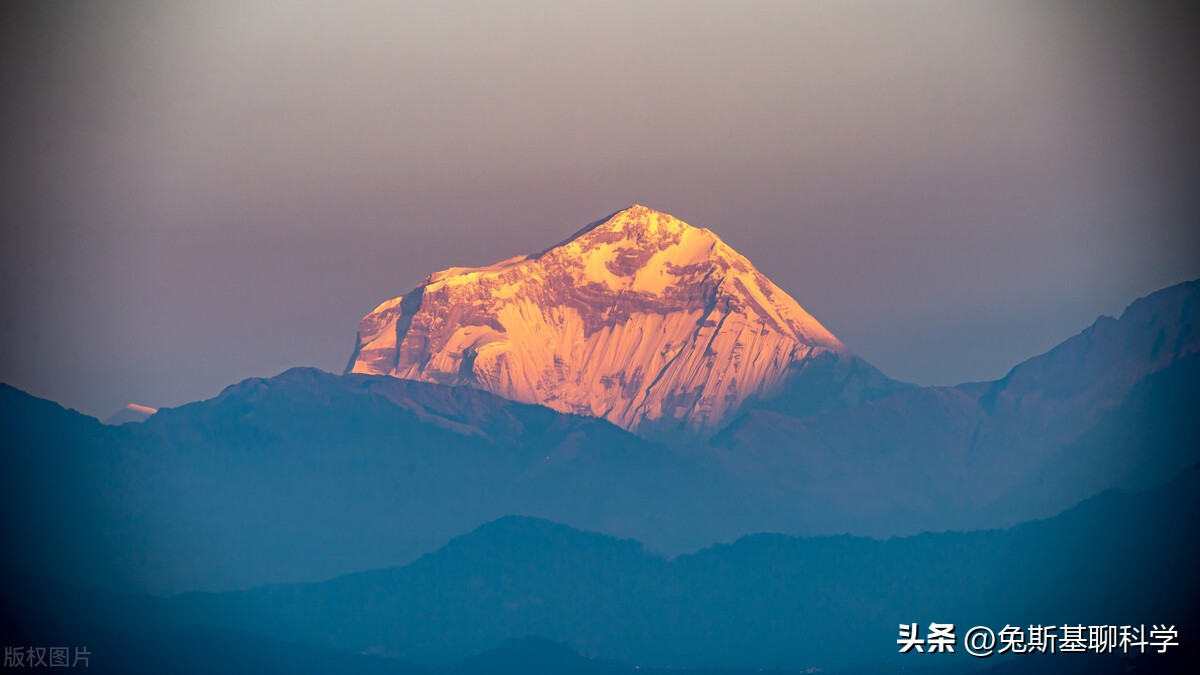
x,y
132,412
637,317
634,227
640,220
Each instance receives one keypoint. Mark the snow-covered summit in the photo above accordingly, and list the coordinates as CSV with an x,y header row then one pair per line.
x,y
639,318
132,412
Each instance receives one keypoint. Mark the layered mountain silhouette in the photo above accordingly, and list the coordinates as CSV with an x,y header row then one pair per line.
x,y
764,600
1108,407
639,318
608,410
308,475
521,595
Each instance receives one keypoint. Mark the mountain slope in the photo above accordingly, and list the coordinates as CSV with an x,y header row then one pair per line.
x,y
1108,407
638,318
308,475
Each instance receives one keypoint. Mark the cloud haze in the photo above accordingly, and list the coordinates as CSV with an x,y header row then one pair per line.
x,y
199,193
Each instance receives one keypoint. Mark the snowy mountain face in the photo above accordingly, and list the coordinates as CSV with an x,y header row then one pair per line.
x,y
132,412
640,319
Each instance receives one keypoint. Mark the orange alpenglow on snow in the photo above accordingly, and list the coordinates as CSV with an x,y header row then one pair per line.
x,y
640,319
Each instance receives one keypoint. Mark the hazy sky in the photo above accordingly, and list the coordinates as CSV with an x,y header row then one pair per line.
x,y
195,193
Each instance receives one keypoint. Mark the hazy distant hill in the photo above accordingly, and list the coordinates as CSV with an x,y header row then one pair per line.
x,y
1112,406
308,475
764,601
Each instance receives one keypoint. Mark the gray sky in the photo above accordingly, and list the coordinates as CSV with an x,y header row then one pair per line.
x,y
196,193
